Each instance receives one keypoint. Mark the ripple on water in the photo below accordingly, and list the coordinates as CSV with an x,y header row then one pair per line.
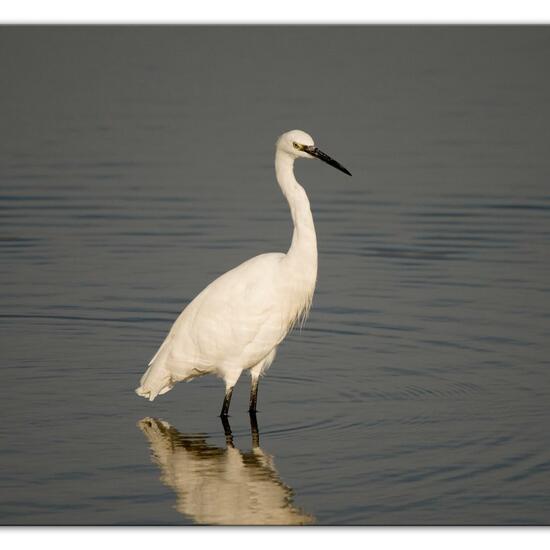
x,y
407,392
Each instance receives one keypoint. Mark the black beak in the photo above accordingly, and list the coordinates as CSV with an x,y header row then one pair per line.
x,y
318,154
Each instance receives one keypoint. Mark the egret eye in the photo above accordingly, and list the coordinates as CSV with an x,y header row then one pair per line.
x,y
295,145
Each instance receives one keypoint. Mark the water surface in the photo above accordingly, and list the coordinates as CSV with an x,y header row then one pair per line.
x,y
137,165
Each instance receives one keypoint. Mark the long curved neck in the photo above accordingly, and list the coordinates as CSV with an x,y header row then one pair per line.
x,y
303,249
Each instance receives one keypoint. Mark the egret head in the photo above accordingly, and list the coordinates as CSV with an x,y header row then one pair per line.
x,y
298,144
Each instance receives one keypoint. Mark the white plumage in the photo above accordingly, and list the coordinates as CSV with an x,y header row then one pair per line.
x,y
238,320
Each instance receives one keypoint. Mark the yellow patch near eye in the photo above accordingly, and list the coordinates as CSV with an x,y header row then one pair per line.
x,y
296,145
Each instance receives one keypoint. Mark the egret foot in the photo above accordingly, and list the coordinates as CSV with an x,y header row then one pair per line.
x,y
254,430
227,431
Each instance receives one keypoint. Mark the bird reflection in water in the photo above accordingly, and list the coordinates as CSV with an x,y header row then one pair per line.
x,y
217,485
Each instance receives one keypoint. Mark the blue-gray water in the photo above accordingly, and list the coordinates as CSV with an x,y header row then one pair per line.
x,y
136,165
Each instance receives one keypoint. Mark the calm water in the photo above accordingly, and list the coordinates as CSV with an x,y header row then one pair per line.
x,y
136,166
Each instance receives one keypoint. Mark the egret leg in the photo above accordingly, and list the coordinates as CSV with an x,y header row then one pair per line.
x,y
253,395
255,373
227,431
254,430
226,402
230,379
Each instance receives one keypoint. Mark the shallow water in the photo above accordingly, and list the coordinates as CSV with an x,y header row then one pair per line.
x,y
136,166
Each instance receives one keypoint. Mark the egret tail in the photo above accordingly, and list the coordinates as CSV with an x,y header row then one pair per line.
x,y
155,381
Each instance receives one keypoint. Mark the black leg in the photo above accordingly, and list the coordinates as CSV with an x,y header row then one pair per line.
x,y
227,431
254,430
253,395
226,401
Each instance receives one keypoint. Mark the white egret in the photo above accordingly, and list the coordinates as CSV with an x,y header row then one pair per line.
x,y
238,320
